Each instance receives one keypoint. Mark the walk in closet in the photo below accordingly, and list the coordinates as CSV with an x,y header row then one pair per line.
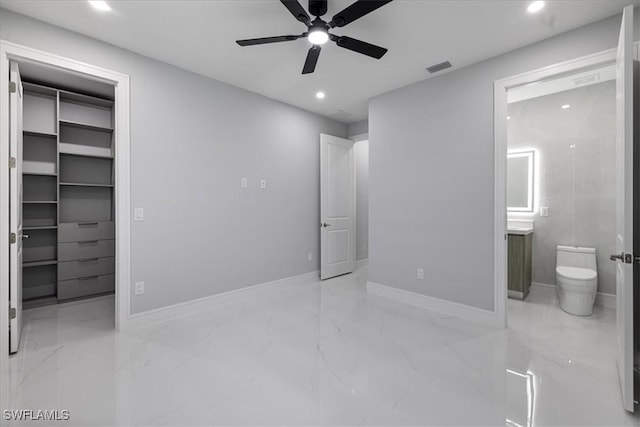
x,y
68,195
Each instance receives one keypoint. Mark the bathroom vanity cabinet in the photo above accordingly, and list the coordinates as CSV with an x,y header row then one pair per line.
x,y
520,248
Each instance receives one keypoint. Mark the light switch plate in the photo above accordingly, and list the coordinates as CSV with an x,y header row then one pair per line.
x,y
310,256
420,273
138,214
263,184
544,211
244,183
139,288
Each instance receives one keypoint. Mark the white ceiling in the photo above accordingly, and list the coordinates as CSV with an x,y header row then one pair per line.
x,y
200,36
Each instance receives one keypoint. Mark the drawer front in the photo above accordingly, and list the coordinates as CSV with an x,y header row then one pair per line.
x,y
76,288
86,268
83,231
86,249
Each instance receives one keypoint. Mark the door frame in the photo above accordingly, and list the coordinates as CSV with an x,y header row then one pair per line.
x,y
500,160
13,51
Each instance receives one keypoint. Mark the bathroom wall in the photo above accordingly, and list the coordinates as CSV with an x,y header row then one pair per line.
x,y
576,165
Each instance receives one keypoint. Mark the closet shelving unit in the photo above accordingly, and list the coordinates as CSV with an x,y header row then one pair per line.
x,y
68,209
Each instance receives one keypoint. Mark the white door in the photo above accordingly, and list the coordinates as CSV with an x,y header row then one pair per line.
x,y
624,208
337,207
15,208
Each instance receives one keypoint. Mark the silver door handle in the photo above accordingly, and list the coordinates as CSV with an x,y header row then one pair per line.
x,y
25,236
325,225
617,257
626,258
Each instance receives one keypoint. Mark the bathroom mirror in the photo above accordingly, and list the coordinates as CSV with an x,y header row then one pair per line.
x,y
520,181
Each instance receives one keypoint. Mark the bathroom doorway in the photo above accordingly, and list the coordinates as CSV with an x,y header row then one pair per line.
x,y
590,186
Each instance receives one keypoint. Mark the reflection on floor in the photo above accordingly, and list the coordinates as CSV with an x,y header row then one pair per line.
x,y
321,353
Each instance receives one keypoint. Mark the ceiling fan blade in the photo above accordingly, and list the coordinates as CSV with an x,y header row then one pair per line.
x,y
297,10
360,47
312,60
356,11
264,40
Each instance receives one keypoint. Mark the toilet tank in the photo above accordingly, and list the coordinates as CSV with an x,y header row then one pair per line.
x,y
576,257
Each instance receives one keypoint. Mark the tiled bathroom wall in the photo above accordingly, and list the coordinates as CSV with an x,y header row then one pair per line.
x,y
576,165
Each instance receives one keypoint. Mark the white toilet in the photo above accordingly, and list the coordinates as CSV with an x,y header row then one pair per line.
x,y
576,279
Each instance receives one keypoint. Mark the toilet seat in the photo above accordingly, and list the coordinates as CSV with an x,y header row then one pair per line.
x,y
575,273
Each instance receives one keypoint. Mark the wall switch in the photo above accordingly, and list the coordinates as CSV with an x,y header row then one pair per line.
x,y
244,183
544,211
139,288
420,274
138,214
309,256
263,184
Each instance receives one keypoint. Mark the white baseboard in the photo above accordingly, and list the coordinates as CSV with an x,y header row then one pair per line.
x,y
455,309
362,263
602,299
163,314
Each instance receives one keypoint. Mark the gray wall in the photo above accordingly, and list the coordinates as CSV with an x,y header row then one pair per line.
x,y
358,132
576,156
358,128
431,171
192,140
362,199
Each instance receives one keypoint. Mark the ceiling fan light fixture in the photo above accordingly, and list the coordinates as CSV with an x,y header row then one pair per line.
x,y
318,37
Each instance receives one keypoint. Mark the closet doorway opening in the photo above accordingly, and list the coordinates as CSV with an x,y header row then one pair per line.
x,y
67,188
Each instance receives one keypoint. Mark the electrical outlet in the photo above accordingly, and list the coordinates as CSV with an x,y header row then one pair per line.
x,y
139,288
244,183
309,256
544,211
420,273
263,184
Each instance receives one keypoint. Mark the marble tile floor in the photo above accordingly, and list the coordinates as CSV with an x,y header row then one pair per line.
x,y
320,353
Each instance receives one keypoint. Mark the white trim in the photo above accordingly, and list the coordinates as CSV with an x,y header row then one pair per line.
x,y
175,311
362,263
450,308
500,160
120,82
603,299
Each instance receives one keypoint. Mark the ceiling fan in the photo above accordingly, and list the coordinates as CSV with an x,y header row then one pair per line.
x,y
318,30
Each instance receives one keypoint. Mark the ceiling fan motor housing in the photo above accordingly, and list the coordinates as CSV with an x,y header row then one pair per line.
x,y
318,7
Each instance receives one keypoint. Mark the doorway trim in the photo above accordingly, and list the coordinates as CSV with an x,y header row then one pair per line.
x,y
13,51
500,160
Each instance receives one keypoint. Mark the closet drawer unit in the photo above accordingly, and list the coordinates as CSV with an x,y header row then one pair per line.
x,y
86,249
83,231
86,268
85,286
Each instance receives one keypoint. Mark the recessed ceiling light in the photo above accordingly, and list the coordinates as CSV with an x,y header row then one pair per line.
x,y
101,5
320,95
508,117
565,106
535,6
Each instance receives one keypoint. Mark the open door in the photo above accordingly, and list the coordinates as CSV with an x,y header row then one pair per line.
x,y
624,208
15,208
337,207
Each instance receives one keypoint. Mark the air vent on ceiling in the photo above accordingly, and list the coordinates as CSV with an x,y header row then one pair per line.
x,y
439,67
340,115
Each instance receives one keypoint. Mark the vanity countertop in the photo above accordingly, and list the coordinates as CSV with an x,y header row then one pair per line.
x,y
520,227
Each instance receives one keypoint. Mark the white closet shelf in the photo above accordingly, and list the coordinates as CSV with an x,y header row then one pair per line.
x,y
39,263
85,150
85,126
80,184
37,133
30,172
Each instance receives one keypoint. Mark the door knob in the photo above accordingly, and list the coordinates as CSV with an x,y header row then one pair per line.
x,y
626,258
325,225
25,236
